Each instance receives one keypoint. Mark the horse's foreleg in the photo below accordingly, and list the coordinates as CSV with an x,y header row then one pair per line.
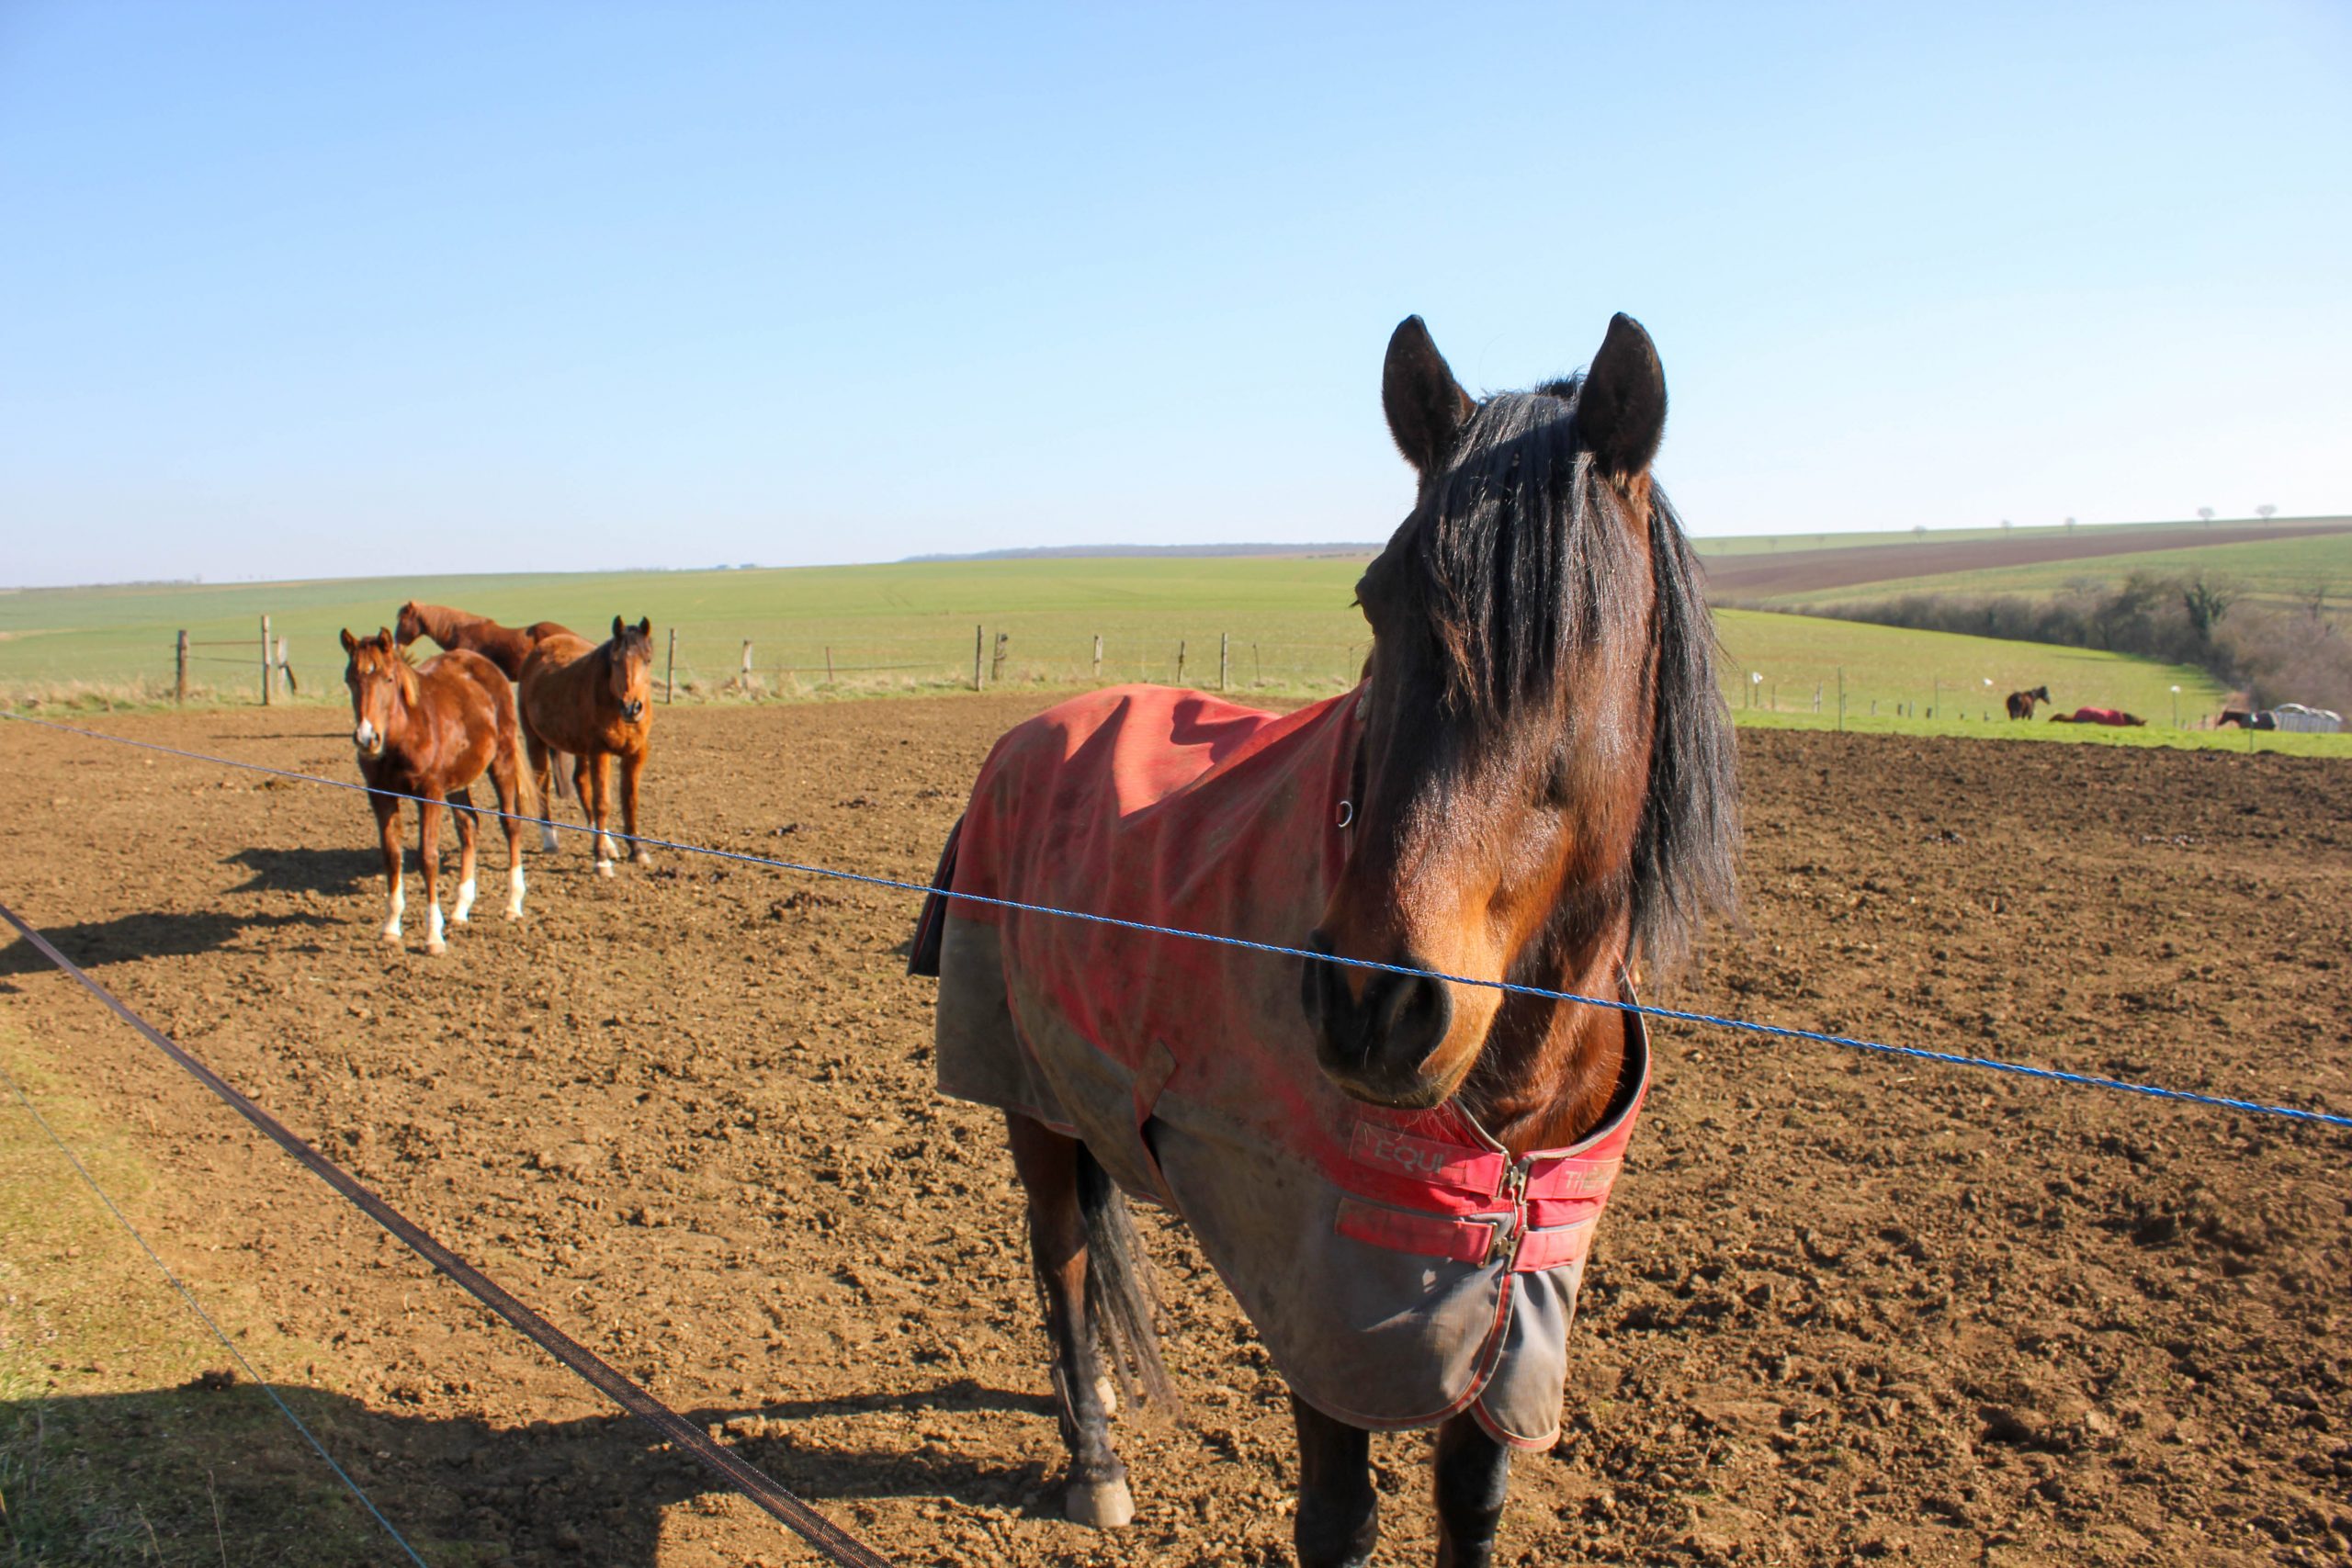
x,y
429,854
1048,1164
1339,1513
388,834
543,774
595,781
632,767
1473,1476
461,811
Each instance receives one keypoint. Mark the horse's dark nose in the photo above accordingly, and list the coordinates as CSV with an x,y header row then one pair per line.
x,y
629,710
1373,1047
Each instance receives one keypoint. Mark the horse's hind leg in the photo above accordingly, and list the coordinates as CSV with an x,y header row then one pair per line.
x,y
461,811
1473,1477
543,772
1048,1164
1339,1513
506,778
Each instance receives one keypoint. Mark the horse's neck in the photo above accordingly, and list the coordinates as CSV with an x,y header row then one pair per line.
x,y
1550,1068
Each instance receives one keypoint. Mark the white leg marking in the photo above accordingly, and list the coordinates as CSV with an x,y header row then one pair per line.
x,y
605,849
393,906
465,901
546,838
433,942
604,866
514,893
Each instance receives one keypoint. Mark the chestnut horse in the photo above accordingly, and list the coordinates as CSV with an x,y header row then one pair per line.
x,y
433,730
502,646
2021,703
1399,1178
594,701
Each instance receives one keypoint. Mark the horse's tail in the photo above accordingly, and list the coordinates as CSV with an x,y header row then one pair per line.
x,y
1120,1298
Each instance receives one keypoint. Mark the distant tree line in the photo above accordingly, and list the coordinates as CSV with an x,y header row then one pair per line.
x,y
2281,653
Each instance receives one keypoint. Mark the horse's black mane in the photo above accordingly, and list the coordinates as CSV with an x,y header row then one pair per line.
x,y
1520,567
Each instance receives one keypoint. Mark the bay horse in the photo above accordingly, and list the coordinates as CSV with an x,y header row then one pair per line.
x,y
506,647
594,702
433,730
1397,1170
2021,703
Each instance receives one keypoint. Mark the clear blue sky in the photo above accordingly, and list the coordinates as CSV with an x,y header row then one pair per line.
x,y
306,289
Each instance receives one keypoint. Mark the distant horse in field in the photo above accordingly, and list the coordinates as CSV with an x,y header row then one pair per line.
x,y
503,645
433,730
2115,716
594,700
1398,1174
2021,703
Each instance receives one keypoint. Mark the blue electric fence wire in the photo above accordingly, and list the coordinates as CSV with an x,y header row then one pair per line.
x,y
283,1408
1770,1030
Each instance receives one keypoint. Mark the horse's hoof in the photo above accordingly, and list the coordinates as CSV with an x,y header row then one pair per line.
x,y
1100,1505
392,937
640,858
437,948
603,868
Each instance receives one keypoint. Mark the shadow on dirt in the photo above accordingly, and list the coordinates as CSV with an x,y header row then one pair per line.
x,y
96,944
307,870
211,1469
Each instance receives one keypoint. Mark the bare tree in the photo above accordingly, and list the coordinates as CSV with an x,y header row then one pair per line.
x,y
2205,515
1918,530
2070,524
2265,512
2007,525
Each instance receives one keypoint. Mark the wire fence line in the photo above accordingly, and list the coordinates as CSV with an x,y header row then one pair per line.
x,y
1714,1021
196,1307
829,1540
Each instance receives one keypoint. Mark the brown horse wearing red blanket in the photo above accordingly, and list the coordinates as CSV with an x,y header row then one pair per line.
x,y
432,730
594,700
1399,1178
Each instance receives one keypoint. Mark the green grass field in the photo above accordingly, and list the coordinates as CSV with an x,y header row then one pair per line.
x,y
908,628
2279,571
1757,544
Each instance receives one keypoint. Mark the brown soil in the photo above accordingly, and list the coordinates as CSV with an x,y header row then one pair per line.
x,y
1844,1307
1749,577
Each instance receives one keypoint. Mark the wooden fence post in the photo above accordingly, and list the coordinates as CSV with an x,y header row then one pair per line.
x,y
978,639
996,665
265,661
828,666
670,671
1098,656
744,677
179,685
1224,660
1180,662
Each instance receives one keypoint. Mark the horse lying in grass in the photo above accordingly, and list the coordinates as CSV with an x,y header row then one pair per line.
x,y
594,702
433,730
1397,1175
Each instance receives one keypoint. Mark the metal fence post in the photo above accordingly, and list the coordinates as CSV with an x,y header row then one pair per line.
x,y
179,685
265,661
670,671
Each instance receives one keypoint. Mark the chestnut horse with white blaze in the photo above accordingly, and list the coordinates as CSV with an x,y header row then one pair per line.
x,y
1397,1174
594,700
432,730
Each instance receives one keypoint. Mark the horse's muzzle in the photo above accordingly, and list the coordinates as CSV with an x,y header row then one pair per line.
x,y
368,740
632,711
1374,1048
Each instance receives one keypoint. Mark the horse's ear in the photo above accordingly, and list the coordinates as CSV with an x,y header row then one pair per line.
x,y
350,643
645,627
1622,409
1426,406
384,636
616,627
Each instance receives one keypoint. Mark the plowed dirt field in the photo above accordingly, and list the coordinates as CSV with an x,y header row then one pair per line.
x,y
1843,1307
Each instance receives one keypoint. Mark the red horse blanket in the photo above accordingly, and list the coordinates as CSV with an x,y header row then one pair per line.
x,y
1400,1266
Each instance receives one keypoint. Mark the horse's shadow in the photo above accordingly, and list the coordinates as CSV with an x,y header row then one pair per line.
x,y
307,870
219,1470
149,934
